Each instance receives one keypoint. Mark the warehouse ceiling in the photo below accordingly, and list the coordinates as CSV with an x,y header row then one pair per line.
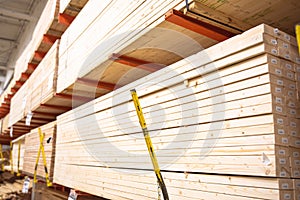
x,y
15,18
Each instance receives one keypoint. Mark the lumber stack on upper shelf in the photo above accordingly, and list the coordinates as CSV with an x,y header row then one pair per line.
x,y
138,33
4,124
49,28
229,109
42,82
18,105
32,145
5,99
38,95
114,70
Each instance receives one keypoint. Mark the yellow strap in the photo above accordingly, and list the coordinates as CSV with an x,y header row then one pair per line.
x,y
19,157
41,149
138,109
298,36
143,124
2,158
11,158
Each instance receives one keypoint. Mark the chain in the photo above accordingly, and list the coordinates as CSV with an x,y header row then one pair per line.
x,y
158,191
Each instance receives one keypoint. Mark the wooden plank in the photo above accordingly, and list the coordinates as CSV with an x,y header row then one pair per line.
x,y
5,93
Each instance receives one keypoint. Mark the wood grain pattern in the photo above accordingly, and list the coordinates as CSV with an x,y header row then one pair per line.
x,y
229,114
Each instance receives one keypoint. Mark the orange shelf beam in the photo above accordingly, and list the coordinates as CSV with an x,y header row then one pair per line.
x,y
203,28
98,84
134,62
49,39
65,19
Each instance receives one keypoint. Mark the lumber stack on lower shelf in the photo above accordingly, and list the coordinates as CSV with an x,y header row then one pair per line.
x,y
18,153
32,145
136,184
231,109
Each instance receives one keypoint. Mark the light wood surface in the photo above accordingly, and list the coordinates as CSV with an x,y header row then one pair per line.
x,y
220,113
32,144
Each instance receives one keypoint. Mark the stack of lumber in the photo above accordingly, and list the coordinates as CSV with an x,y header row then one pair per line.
x,y
85,46
11,132
42,83
18,105
46,27
4,126
32,144
224,123
5,99
38,89
18,159
5,136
